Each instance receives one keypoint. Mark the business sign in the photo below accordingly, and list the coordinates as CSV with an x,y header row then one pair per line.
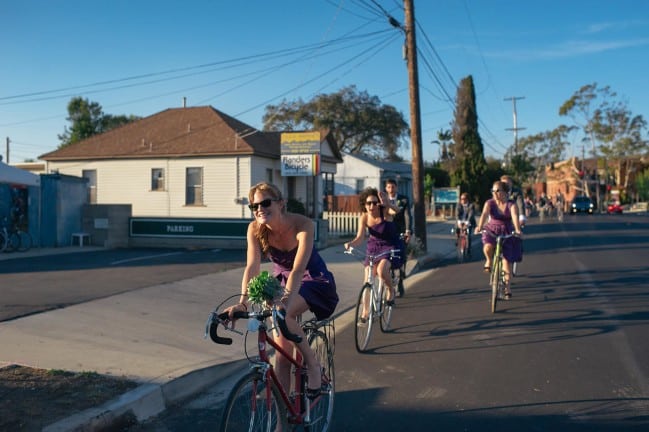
x,y
446,195
301,165
300,153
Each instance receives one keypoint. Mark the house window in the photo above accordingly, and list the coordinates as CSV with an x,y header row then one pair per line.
x,y
269,175
194,186
91,176
157,179
360,185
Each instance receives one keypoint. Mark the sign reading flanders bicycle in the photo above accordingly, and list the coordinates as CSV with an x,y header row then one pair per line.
x,y
300,153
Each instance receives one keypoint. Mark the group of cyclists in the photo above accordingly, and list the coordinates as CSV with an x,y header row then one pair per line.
x,y
287,240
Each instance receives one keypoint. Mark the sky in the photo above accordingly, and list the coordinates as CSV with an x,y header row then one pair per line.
x,y
141,57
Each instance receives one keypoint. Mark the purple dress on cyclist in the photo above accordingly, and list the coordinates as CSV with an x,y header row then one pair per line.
x,y
501,224
318,286
384,236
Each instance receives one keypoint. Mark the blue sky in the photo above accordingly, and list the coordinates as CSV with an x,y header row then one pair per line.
x,y
141,57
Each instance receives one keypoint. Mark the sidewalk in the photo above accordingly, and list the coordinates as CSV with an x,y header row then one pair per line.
x,y
154,335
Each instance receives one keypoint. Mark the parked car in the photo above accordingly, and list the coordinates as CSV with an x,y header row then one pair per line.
x,y
614,207
582,204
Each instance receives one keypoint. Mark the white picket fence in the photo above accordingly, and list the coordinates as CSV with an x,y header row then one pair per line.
x,y
341,223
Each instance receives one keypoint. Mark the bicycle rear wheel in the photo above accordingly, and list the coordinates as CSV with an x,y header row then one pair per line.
x,y
363,328
322,408
247,408
496,280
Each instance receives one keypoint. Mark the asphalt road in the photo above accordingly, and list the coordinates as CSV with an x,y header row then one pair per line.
x,y
36,284
567,353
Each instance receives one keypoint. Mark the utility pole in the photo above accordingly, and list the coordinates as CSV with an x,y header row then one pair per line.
x,y
7,153
415,124
515,128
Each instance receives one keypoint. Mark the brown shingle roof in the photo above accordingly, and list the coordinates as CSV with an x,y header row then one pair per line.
x,y
175,132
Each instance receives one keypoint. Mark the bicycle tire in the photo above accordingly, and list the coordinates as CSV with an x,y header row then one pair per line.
x,y
322,408
386,311
495,282
363,330
14,242
240,413
25,241
461,249
400,287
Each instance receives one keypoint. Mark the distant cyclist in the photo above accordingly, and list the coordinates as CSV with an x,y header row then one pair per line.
x,y
465,213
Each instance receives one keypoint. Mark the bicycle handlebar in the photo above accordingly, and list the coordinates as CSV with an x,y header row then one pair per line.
x,y
222,318
502,236
391,253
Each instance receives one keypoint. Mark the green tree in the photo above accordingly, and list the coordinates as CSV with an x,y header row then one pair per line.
x,y
360,123
609,125
642,185
87,119
469,166
538,150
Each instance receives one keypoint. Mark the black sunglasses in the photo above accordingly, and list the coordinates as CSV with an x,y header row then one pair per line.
x,y
265,204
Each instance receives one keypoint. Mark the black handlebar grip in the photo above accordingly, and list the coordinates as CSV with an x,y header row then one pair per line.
x,y
214,325
281,322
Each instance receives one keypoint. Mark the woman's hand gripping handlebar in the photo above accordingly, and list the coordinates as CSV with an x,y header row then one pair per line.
x,y
215,319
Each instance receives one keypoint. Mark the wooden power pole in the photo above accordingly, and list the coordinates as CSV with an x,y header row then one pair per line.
x,y
415,125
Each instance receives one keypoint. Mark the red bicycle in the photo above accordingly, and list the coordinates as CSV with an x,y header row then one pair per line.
x,y
258,402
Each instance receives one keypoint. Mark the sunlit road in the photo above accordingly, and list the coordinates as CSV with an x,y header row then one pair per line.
x,y
568,353
35,284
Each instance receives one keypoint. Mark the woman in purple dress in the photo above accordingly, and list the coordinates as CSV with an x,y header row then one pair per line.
x,y
500,216
383,235
287,240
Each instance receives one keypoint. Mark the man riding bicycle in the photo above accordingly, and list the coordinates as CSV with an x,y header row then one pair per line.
x,y
465,213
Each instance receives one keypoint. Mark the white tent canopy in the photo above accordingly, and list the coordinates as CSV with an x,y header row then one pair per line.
x,y
12,175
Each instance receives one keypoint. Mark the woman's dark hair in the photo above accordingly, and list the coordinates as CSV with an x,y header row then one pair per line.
x,y
367,192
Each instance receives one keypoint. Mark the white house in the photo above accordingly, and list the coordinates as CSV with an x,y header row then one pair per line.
x,y
190,162
358,172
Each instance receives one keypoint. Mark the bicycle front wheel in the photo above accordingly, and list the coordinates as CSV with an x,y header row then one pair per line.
x,y
496,280
386,310
322,408
364,318
254,405
461,249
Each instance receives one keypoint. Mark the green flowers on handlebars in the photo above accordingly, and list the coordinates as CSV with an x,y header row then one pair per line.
x,y
263,288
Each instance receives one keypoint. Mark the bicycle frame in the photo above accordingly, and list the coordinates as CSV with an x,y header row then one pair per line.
x,y
497,275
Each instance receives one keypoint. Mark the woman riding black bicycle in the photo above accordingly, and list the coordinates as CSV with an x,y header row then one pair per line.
x,y
287,240
500,216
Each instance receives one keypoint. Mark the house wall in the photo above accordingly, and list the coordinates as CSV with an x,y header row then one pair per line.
x,y
353,169
129,182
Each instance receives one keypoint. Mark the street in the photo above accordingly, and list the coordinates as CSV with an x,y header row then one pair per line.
x,y
567,353
40,283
